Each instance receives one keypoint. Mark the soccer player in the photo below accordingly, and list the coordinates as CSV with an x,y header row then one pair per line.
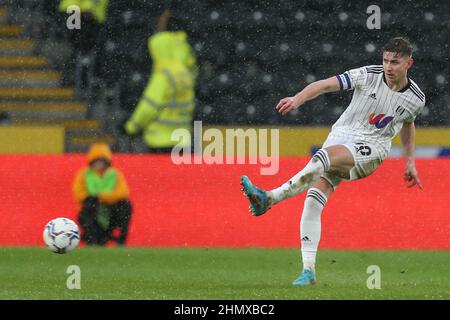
x,y
385,102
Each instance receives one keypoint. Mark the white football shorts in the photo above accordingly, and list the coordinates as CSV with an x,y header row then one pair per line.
x,y
366,156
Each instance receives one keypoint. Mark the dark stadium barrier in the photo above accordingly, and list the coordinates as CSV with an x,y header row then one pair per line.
x,y
203,206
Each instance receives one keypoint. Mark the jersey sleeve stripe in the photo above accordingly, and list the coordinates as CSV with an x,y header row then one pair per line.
x,y
417,89
341,86
349,84
414,90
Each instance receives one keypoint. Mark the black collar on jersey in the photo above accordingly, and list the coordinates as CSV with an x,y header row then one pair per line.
x,y
402,90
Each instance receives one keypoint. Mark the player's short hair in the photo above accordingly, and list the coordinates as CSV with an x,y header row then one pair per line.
x,y
399,45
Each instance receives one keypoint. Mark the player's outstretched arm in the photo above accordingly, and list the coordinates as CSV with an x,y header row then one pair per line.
x,y
308,93
407,137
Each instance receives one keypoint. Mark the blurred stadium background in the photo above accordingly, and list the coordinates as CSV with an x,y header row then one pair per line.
x,y
250,54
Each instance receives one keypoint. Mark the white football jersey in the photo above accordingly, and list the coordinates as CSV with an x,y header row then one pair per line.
x,y
376,113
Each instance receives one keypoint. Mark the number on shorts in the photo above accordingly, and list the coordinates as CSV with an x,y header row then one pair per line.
x,y
363,149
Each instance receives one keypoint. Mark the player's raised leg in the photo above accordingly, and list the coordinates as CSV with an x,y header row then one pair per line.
x,y
310,229
337,159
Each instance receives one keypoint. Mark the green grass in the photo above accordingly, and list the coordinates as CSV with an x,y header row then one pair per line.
x,y
125,273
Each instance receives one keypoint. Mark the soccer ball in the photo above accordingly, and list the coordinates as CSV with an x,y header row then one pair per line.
x,y
61,235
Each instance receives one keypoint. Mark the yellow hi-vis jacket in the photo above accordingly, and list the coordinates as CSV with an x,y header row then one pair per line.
x,y
168,101
96,7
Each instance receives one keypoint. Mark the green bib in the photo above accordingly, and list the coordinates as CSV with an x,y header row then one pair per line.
x,y
97,184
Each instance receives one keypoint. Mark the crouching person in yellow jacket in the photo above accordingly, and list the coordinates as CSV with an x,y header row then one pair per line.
x,y
168,101
102,192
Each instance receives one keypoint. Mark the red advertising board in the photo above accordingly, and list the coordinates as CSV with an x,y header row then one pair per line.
x,y
202,205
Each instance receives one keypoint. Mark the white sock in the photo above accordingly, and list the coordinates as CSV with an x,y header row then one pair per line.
x,y
304,179
310,226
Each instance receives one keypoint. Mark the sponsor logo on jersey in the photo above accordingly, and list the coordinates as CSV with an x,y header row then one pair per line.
x,y
380,121
373,96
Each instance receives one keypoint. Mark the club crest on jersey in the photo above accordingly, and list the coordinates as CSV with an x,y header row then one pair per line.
x,y
400,110
380,121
